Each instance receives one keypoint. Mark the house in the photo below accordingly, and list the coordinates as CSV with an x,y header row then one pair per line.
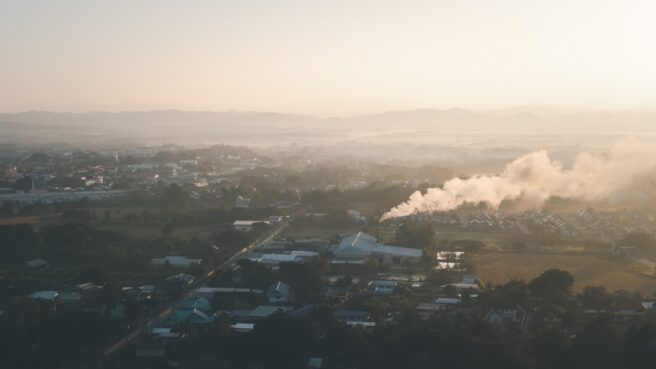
x,y
130,292
318,245
188,162
189,316
166,333
87,288
209,292
447,301
468,279
426,309
276,246
359,246
463,286
175,261
38,264
264,311
242,327
147,291
383,287
296,256
51,296
501,316
358,323
70,297
173,286
185,280
247,225
339,294
450,255
315,363
279,293
200,303
242,202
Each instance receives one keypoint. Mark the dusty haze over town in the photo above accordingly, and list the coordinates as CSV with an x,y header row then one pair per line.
x,y
345,184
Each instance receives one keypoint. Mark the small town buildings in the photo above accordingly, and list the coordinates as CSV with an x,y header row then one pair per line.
x,y
272,246
279,293
38,264
242,202
296,256
447,301
242,327
70,297
383,287
360,246
209,292
200,303
175,261
264,311
367,325
335,294
501,316
247,225
166,333
189,316
315,363
51,296
426,309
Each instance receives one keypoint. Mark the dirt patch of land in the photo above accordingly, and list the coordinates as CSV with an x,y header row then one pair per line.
x,y
587,269
20,220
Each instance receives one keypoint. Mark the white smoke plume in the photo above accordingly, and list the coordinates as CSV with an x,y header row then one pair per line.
x,y
534,178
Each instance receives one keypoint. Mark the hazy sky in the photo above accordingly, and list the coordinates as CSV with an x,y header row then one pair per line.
x,y
327,56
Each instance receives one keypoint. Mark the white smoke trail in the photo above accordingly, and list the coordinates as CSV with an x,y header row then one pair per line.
x,y
534,178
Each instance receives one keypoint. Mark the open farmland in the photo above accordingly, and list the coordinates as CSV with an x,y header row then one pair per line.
x,y
587,269
20,220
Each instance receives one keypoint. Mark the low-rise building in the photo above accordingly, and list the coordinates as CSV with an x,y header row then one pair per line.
x,y
360,246
175,261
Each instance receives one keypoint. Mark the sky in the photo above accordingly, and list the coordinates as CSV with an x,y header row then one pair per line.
x,y
325,57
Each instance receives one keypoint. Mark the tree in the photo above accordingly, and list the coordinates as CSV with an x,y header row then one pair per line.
x,y
639,240
305,279
93,274
417,237
597,346
594,297
167,229
174,198
231,238
554,285
450,291
549,349
639,349
256,275
508,296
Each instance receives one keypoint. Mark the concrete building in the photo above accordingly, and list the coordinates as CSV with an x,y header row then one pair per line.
x,y
360,246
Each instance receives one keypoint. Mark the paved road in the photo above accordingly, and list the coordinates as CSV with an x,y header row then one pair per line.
x,y
153,321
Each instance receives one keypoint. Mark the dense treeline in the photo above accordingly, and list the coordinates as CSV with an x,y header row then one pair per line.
x,y
32,335
458,339
73,247
444,341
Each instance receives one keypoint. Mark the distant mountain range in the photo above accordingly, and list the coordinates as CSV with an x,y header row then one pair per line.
x,y
262,127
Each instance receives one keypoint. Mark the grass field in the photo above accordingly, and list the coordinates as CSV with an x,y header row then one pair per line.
x,y
154,231
587,269
19,220
493,240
